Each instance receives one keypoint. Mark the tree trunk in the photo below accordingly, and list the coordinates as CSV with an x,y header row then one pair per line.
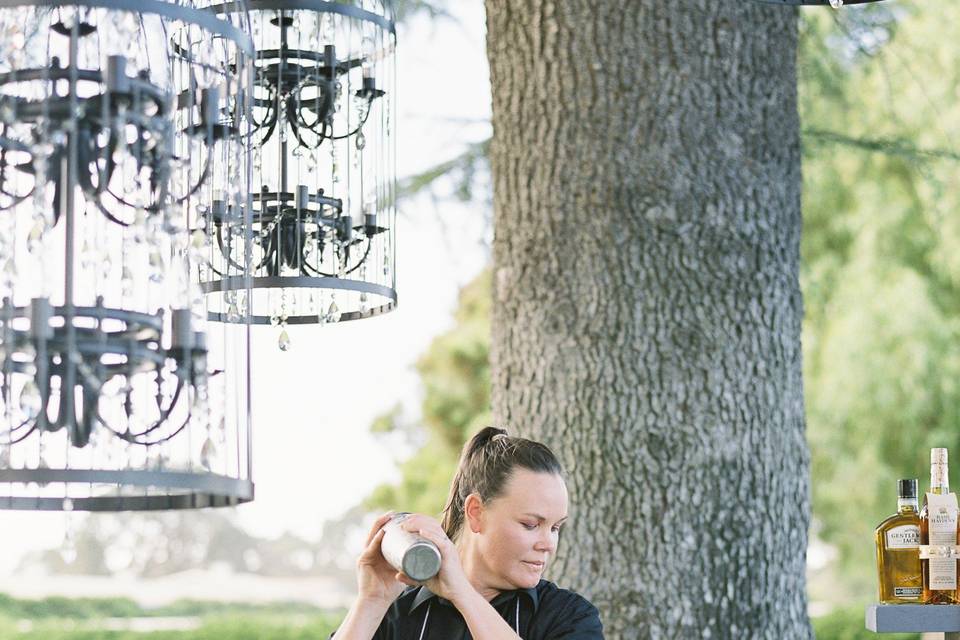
x,y
647,311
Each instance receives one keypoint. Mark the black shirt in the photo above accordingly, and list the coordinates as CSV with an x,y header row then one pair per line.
x,y
544,612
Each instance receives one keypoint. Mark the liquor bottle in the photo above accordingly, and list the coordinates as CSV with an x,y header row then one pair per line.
x,y
898,553
938,529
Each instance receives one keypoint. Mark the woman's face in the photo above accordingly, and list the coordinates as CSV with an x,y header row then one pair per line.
x,y
519,530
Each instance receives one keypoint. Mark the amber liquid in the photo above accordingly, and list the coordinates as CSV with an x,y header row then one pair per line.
x,y
951,596
899,569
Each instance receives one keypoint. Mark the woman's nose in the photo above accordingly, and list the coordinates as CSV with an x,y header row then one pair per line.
x,y
546,541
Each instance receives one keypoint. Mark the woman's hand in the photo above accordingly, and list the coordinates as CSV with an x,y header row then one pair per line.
x,y
376,579
451,582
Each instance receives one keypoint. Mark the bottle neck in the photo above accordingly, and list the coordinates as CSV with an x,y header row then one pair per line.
x,y
907,505
939,482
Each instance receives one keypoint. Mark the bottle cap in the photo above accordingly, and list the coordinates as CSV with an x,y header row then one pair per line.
x,y
938,456
907,488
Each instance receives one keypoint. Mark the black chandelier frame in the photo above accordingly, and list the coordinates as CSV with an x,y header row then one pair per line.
x,y
288,222
84,346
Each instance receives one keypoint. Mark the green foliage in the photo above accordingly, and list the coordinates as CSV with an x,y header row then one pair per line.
x,y
76,608
233,628
86,619
462,170
847,624
60,607
881,262
455,373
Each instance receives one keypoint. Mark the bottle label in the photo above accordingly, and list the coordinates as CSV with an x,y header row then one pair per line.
x,y
942,528
906,536
907,592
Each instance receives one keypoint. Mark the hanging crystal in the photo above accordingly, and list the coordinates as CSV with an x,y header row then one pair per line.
x,y
30,400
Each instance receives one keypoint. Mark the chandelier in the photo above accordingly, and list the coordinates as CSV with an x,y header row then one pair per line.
x,y
324,174
123,129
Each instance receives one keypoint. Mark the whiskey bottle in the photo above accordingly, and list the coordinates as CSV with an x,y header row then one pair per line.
x,y
898,554
938,529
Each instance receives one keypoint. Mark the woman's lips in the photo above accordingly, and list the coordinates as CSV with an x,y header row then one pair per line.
x,y
534,564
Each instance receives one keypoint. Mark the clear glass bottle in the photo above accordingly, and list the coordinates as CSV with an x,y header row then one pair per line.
x,y
900,577
938,567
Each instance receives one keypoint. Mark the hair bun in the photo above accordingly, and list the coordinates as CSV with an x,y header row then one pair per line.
x,y
483,438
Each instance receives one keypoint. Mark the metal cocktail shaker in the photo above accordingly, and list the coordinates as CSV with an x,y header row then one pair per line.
x,y
407,552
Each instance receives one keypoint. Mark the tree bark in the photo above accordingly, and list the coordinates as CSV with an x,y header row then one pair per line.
x,y
647,310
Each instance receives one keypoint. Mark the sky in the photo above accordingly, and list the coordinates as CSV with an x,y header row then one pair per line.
x,y
314,457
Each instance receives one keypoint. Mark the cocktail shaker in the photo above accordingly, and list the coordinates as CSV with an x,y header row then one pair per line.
x,y
407,552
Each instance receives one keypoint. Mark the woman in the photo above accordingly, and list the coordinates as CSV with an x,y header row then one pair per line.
x,y
501,526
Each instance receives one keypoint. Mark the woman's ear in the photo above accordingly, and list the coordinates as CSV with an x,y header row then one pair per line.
x,y
473,512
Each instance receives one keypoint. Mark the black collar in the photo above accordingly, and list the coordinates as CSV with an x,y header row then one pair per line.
x,y
424,594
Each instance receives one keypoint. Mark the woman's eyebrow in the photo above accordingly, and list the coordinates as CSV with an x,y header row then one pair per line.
x,y
540,517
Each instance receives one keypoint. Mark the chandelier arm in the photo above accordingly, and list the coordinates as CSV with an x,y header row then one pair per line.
x,y
351,270
323,108
303,121
164,416
269,105
129,438
200,182
291,112
164,413
23,437
107,214
126,203
16,199
306,265
363,259
12,430
359,126
270,128
224,253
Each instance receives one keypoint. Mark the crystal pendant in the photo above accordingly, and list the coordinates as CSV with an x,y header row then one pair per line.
x,y
126,281
207,454
284,342
35,237
333,312
156,266
198,243
233,313
30,400
9,272
68,551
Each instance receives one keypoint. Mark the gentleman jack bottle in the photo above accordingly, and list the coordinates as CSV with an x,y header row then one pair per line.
x,y
898,549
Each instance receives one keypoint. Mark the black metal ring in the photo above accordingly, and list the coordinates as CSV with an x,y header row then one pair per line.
x,y
196,489
304,282
100,313
320,6
203,18
345,316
